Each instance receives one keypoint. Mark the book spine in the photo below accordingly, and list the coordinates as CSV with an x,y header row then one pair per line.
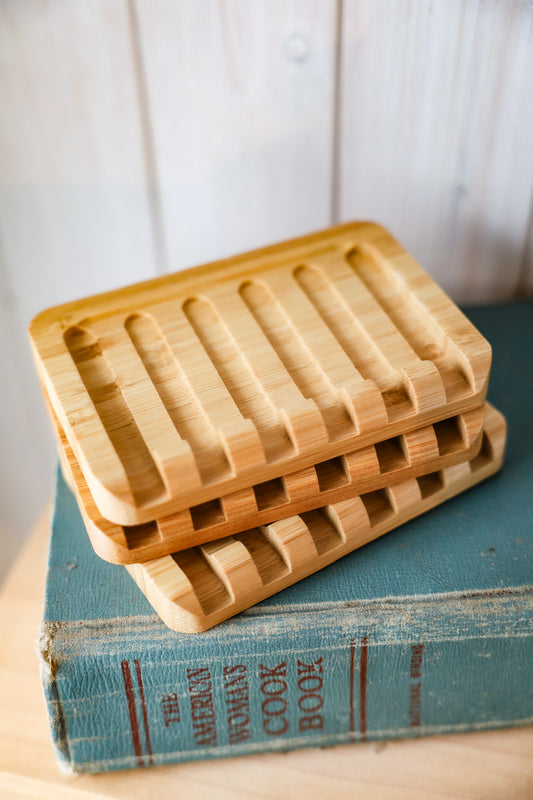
x,y
47,672
137,703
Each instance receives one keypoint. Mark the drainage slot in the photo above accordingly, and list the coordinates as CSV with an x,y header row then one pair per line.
x,y
449,436
332,474
391,455
430,484
323,529
209,590
207,514
266,558
270,494
142,535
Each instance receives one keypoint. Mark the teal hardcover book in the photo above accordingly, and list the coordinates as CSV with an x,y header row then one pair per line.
x,y
427,630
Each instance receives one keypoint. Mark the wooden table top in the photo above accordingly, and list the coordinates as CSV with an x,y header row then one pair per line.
x,y
493,764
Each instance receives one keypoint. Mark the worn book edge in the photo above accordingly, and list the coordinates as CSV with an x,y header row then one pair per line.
x,y
502,613
47,670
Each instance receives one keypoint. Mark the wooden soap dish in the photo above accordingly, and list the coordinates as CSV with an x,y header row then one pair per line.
x,y
429,449
195,589
181,390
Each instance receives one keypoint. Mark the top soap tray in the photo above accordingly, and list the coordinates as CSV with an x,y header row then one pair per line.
x,y
175,391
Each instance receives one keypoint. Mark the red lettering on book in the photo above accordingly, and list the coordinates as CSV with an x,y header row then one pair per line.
x,y
316,666
238,668
202,707
315,722
237,703
415,688
310,700
274,685
279,671
171,708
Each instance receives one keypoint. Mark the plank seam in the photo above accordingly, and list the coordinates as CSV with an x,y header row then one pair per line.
x,y
148,143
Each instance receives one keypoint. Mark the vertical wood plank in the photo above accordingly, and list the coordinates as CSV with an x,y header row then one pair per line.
x,y
526,276
241,111
27,450
74,210
436,125
74,216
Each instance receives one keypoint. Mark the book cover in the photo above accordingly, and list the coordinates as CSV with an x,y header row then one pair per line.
x,y
427,630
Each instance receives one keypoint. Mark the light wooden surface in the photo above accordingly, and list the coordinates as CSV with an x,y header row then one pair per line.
x,y
195,589
477,766
419,452
174,392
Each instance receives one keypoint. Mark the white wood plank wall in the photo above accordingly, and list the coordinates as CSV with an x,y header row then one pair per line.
x,y
74,212
240,96
139,136
436,133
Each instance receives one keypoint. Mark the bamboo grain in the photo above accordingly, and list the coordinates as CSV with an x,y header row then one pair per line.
x,y
304,543
284,357
429,449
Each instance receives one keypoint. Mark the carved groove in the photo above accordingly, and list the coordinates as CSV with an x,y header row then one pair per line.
x,y
208,588
144,479
378,506
296,357
243,386
280,564
323,529
358,345
427,340
257,367
266,558
177,397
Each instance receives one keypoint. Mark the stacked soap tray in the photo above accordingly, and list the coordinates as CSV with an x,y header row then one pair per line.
x,y
231,429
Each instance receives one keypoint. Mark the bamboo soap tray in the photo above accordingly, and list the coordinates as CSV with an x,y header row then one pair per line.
x,y
195,589
428,449
196,385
